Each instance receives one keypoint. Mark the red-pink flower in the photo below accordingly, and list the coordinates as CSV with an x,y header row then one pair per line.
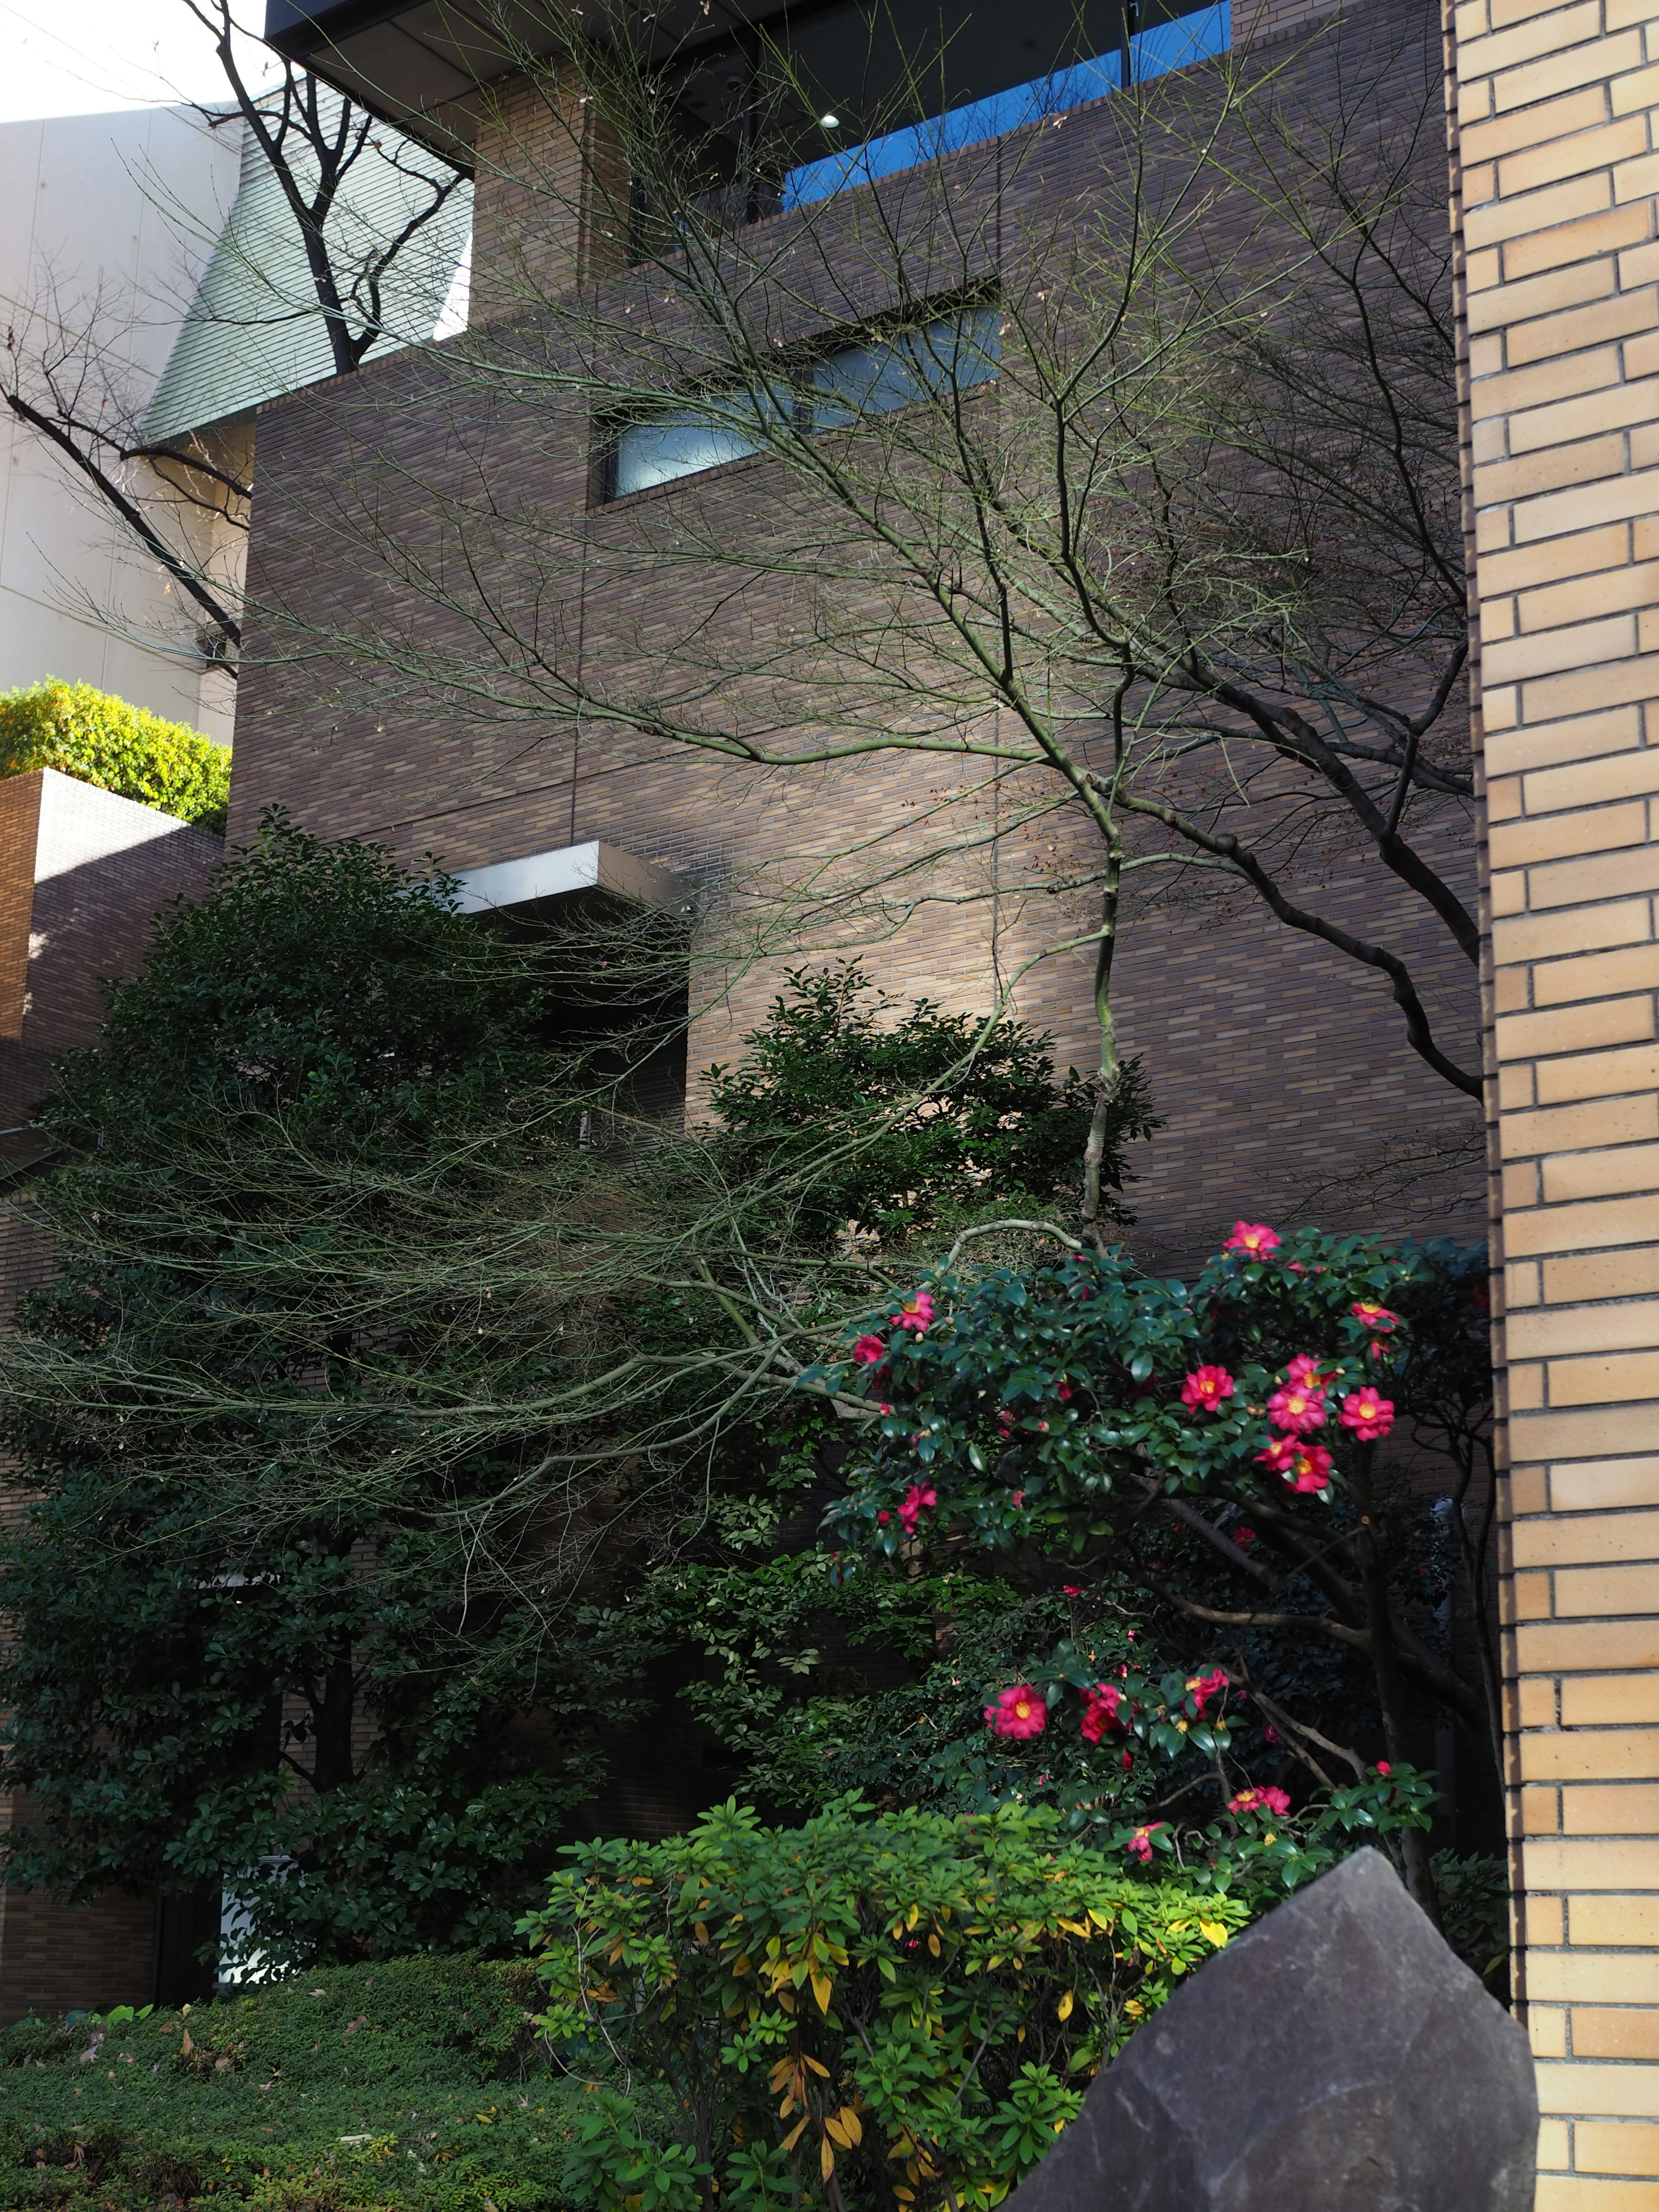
x,y
1005,1421
1268,1799
1367,1413
1383,1767
916,1313
1100,1707
1206,1388
1270,1734
1019,1711
1298,1407
1253,1236
869,1350
1243,1538
1071,1590
1019,1498
1376,1318
1065,1391
1202,1687
1139,1846
1304,1368
918,1499
1305,1467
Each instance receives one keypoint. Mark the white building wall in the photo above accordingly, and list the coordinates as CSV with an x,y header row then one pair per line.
x,y
124,209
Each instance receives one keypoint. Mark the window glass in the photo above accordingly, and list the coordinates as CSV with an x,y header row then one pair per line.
x,y
1152,53
680,444
957,351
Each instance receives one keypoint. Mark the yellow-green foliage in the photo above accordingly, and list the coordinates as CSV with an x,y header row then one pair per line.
x,y
853,2014
120,748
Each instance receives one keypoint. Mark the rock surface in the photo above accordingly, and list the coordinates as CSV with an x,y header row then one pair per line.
x,y
1337,2057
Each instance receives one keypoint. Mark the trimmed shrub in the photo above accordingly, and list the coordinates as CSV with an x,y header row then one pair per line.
x,y
103,740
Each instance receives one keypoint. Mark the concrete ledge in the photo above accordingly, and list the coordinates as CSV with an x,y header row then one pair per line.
x,y
591,867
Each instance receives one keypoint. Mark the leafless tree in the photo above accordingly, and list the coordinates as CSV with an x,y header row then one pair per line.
x,y
1137,522
184,500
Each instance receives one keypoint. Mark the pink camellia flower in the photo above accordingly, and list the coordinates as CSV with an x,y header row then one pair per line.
x,y
916,1313
1298,1407
1005,1421
1305,1368
1019,1498
1205,1388
918,1499
1376,1318
1383,1767
1254,1237
1261,1801
1019,1711
1139,1846
1270,1734
1243,1538
1202,1687
1071,1590
869,1350
1305,1467
1309,1468
883,1518
1100,1707
1127,1760
1367,1413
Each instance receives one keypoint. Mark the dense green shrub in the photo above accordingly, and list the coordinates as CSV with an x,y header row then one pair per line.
x,y
306,1055
100,740
856,2010
904,1118
414,2084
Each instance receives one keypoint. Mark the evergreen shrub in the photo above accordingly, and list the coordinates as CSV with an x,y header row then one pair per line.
x,y
417,2083
103,740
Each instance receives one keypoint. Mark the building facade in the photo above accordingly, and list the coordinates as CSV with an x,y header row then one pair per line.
x,y
1274,1070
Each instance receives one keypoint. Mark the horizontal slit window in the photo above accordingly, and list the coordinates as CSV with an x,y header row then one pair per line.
x,y
846,387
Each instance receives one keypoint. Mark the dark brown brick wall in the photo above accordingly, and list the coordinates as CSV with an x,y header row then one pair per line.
x,y
1282,1069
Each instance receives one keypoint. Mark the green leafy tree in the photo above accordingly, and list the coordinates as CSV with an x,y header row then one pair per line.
x,y
98,738
899,1120
253,1636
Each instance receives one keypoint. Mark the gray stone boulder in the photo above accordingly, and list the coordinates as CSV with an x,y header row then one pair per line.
x,y
1336,2057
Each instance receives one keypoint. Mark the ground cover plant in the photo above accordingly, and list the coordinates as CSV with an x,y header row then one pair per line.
x,y
416,2083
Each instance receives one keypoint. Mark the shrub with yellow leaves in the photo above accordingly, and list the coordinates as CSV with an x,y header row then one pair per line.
x,y
861,2010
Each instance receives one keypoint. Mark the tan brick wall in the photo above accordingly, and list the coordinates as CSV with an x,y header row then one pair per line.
x,y
1557,163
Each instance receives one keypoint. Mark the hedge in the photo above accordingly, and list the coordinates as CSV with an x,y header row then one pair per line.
x,y
103,740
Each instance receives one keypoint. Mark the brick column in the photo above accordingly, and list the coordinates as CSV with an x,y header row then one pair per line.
x,y
1560,166
550,207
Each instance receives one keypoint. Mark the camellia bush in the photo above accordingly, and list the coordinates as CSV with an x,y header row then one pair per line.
x,y
855,2011
1033,1409
100,740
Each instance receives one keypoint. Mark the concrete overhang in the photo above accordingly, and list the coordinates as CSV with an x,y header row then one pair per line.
x,y
567,870
426,64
